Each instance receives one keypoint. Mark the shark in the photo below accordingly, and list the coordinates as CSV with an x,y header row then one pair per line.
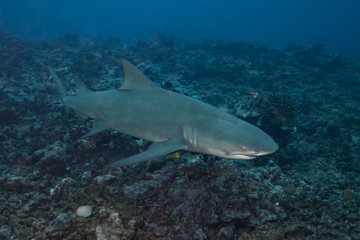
x,y
170,120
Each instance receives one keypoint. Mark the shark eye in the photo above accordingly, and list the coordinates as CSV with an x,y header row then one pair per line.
x,y
243,148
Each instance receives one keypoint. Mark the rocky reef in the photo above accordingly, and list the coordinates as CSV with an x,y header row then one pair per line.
x,y
306,97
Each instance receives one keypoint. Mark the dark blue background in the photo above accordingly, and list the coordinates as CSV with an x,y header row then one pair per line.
x,y
273,23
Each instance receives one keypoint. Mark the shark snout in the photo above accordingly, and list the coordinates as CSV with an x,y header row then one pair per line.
x,y
268,146
262,144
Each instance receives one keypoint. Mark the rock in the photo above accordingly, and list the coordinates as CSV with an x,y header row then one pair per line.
x,y
5,232
52,159
231,215
7,117
226,232
84,211
141,191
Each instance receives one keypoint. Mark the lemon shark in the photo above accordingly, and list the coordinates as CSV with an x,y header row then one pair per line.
x,y
170,120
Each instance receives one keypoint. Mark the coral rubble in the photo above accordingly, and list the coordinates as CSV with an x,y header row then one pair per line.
x,y
304,96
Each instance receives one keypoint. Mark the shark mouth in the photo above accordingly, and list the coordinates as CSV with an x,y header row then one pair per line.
x,y
250,155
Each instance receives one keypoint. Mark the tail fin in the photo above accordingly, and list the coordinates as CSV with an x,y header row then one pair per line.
x,y
58,83
82,89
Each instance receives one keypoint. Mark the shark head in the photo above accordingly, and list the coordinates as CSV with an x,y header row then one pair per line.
x,y
233,140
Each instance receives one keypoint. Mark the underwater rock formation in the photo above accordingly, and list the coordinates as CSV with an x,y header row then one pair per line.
x,y
307,100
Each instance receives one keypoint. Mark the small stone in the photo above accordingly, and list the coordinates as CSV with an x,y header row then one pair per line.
x,y
84,211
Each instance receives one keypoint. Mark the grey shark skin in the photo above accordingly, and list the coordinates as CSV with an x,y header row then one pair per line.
x,y
170,120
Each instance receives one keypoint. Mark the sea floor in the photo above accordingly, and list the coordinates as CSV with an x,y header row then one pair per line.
x,y
305,97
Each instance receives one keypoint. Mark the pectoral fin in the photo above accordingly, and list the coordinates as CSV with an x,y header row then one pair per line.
x,y
98,126
155,150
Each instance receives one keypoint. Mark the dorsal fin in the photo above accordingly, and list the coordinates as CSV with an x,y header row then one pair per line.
x,y
134,78
82,89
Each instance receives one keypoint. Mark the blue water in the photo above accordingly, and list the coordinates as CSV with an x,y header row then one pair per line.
x,y
272,23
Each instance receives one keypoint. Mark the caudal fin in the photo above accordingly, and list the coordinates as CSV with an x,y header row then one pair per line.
x,y
82,89
59,86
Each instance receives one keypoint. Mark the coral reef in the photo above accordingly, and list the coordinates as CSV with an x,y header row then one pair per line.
x,y
304,96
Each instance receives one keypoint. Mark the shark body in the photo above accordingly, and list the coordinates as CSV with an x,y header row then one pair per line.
x,y
170,120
